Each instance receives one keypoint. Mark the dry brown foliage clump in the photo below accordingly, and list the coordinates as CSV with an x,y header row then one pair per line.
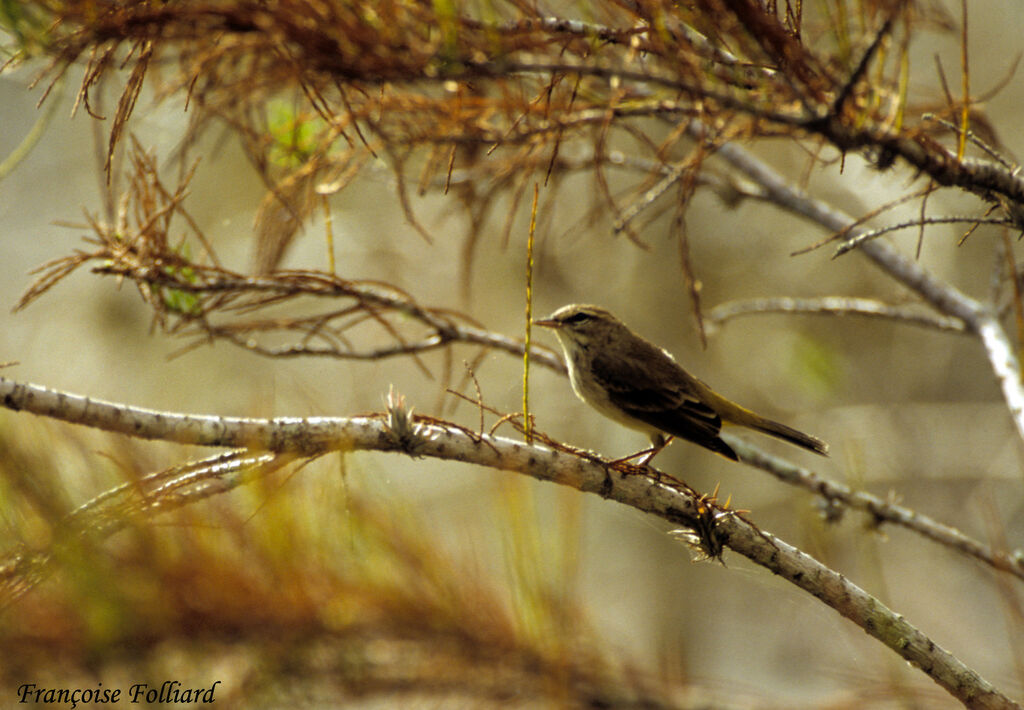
x,y
483,101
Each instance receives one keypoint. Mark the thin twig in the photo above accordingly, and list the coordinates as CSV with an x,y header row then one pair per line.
x,y
867,235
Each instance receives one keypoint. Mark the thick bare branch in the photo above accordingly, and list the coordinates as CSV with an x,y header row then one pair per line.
x,y
419,436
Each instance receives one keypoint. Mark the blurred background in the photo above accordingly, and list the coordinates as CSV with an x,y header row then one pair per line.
x,y
382,539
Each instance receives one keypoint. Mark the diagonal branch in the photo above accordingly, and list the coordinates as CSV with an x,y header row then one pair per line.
x,y
979,319
422,436
882,510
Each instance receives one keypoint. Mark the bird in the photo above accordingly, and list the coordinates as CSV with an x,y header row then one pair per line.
x,y
634,382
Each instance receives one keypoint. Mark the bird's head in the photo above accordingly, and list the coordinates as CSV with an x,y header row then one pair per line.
x,y
582,325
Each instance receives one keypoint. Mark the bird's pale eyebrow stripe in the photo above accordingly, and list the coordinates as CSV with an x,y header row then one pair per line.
x,y
577,317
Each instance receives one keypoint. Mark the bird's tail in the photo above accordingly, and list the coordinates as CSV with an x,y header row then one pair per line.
x,y
732,413
735,414
788,433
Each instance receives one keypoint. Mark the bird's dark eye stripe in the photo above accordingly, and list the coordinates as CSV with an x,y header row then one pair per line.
x,y
577,318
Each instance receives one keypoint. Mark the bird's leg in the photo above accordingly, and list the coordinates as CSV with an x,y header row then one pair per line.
x,y
658,442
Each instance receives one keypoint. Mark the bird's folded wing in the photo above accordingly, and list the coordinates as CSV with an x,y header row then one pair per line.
x,y
657,393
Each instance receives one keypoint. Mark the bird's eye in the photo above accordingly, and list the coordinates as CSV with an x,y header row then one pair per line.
x,y
577,318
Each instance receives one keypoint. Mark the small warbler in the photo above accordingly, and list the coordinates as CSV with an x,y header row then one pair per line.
x,y
629,379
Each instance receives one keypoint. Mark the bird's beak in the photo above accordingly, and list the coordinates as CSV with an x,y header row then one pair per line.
x,y
547,323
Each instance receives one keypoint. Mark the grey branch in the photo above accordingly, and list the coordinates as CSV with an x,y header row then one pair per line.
x,y
833,305
304,437
978,318
883,511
